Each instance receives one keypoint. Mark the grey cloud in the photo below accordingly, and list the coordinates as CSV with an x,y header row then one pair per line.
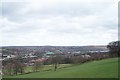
x,y
70,9
13,10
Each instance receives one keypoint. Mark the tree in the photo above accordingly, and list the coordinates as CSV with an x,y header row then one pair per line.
x,y
8,69
18,65
114,48
56,60
14,66
38,65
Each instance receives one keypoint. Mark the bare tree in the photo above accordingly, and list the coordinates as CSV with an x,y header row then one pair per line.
x,y
38,66
8,69
56,59
14,66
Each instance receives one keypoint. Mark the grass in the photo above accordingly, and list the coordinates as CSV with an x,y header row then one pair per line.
x,y
46,67
107,68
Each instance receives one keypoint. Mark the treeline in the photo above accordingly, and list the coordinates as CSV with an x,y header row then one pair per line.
x,y
16,65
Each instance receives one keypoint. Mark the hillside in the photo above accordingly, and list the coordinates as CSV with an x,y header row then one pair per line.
x,y
107,68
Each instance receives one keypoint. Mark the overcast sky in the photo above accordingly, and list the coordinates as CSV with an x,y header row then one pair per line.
x,y
58,22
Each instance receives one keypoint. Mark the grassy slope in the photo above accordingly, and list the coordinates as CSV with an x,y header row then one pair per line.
x,y
97,69
47,67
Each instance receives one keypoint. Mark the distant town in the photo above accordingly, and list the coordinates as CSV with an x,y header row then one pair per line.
x,y
32,54
47,51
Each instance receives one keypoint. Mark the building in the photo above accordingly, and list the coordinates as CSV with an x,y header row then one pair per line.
x,y
48,54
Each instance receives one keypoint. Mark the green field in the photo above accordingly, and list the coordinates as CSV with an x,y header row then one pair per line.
x,y
47,67
107,68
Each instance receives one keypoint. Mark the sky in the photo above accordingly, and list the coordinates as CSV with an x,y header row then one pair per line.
x,y
58,22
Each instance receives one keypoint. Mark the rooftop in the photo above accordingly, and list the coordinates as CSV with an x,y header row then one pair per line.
x,y
49,53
